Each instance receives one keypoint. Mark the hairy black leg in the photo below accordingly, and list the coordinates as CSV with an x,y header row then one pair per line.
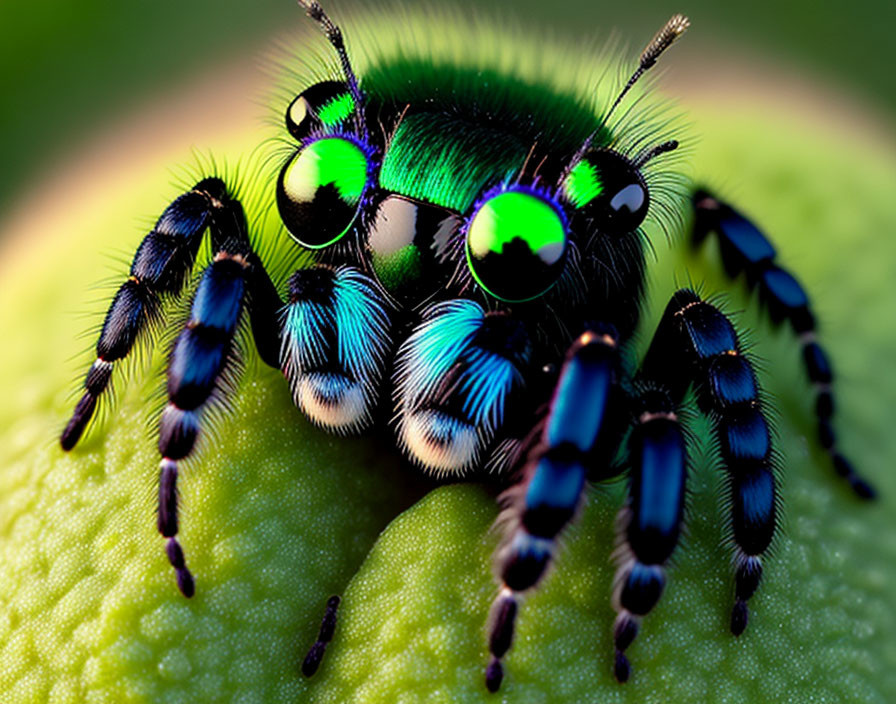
x,y
745,249
553,481
696,343
160,266
649,525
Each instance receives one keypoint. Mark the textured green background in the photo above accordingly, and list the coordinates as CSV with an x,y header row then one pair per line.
x,y
278,515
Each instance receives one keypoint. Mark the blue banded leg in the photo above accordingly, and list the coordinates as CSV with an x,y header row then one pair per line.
x,y
161,264
554,478
649,525
202,354
745,249
696,343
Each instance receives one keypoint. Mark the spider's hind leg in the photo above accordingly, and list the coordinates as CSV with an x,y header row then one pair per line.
x,y
745,248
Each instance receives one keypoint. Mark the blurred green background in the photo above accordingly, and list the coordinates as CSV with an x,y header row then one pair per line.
x,y
69,69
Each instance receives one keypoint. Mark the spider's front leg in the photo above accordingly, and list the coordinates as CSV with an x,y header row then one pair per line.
x,y
745,248
554,476
203,351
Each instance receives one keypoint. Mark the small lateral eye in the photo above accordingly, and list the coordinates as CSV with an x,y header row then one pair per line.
x,y
608,189
516,245
319,190
325,105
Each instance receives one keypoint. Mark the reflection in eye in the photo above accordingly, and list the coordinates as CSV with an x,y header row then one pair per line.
x,y
516,245
320,189
631,198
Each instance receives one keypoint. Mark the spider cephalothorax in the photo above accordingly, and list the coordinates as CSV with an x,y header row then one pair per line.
x,y
477,257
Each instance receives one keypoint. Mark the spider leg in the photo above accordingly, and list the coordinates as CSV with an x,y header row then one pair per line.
x,y
324,636
554,474
201,354
695,343
745,248
159,268
649,525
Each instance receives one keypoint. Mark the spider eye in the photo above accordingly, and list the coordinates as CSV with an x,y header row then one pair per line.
x,y
324,105
516,245
320,189
605,187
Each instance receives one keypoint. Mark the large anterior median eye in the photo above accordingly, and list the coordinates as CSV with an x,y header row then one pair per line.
x,y
607,188
320,189
516,245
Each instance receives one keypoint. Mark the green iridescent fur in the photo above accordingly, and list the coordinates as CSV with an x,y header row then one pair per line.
x,y
557,119
448,161
337,110
478,128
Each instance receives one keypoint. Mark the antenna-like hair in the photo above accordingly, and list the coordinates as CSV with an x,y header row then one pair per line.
x,y
334,36
649,154
661,41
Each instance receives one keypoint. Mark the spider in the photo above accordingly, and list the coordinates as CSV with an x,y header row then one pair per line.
x,y
479,259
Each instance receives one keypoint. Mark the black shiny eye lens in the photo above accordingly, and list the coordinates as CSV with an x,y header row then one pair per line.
x,y
408,242
320,189
606,188
516,245
324,105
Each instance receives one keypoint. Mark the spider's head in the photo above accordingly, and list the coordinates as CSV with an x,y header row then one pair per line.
x,y
477,187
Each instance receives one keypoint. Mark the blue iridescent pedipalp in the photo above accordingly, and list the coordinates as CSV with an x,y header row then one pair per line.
x,y
336,334
453,377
